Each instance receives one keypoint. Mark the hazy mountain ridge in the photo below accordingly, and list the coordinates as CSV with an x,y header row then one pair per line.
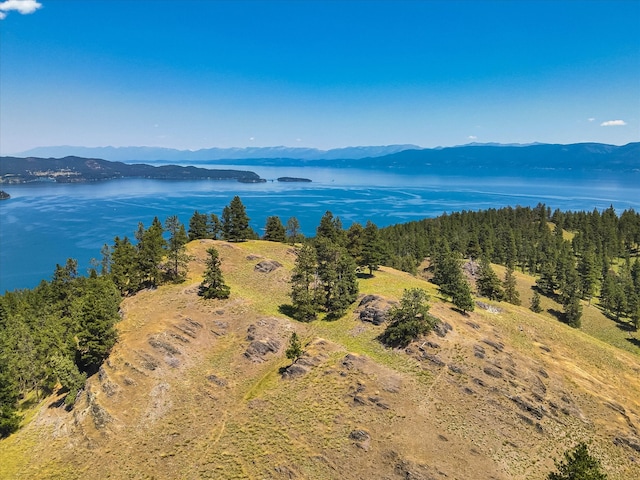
x,y
581,156
578,157
206,154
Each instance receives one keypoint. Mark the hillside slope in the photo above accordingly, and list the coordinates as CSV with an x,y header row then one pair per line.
x,y
193,389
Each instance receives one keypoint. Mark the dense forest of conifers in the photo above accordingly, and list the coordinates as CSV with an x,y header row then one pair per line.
x,y
56,334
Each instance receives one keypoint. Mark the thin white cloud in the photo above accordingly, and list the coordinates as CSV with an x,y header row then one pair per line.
x,y
472,137
24,7
591,119
613,123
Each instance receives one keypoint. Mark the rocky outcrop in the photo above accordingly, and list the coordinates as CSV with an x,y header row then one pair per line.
x,y
373,309
267,266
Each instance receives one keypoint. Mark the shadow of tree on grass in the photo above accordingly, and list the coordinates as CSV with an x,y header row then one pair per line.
x,y
287,310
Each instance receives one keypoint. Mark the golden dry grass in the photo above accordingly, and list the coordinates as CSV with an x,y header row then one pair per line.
x,y
210,412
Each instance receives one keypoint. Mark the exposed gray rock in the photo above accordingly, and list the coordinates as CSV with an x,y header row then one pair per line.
x,y
632,443
373,309
259,348
492,372
267,266
361,438
359,435
157,342
497,345
489,308
536,411
285,472
433,359
148,362
221,382
442,328
294,371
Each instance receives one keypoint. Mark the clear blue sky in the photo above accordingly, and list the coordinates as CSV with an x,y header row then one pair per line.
x,y
325,74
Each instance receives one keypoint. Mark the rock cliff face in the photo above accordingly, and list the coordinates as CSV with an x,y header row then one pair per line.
x,y
76,169
4,195
202,389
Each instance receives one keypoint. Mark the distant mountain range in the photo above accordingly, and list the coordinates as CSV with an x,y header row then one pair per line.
x,y
408,158
577,157
494,159
146,154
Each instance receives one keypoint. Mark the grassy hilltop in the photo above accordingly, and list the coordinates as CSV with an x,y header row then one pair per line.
x,y
193,389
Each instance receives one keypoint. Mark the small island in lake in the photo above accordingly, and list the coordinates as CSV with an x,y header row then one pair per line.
x,y
78,169
4,195
293,179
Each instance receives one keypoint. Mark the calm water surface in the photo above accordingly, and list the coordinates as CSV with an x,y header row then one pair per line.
x,y
46,223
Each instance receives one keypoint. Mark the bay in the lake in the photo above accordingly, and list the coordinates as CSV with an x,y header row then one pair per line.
x,y
46,223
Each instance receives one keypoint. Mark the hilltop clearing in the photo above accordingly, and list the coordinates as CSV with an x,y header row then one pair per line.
x,y
200,388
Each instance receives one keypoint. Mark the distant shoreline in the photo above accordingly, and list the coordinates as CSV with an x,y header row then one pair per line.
x,y
15,170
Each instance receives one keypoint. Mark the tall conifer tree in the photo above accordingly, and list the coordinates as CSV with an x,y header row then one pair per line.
x,y
177,258
235,222
212,285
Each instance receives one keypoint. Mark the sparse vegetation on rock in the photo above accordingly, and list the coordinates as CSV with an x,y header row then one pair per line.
x,y
409,319
294,350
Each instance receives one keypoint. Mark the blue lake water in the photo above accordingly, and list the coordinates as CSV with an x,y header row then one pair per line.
x,y
46,223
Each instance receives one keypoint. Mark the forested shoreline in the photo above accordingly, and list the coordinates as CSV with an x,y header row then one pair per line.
x,y
55,335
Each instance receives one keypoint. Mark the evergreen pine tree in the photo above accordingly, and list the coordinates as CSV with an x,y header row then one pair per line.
x,y
303,284
294,350
9,393
124,266
105,263
330,227
214,227
547,280
344,290
235,222
578,464
274,230
461,296
447,272
336,276
355,239
95,313
212,285
409,319
198,226
588,272
68,375
488,283
372,249
293,230
573,310
177,258
151,244
607,292
535,303
511,293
